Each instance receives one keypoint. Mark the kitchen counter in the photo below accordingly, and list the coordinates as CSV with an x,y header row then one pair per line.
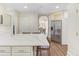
x,y
21,44
24,40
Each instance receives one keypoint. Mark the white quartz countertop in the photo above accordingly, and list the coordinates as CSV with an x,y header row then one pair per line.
x,y
23,40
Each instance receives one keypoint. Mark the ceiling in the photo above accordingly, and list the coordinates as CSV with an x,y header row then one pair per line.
x,y
41,8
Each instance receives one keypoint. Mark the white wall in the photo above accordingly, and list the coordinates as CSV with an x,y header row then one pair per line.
x,y
73,29
65,25
28,22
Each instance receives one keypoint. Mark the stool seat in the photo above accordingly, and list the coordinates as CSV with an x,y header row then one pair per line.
x,y
44,46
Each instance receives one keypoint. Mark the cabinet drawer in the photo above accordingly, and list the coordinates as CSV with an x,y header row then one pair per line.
x,y
5,54
29,49
22,54
5,49
21,49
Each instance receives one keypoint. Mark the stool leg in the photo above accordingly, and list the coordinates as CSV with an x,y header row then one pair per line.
x,y
48,52
37,51
40,52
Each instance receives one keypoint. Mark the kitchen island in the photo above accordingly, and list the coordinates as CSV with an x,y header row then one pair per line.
x,y
21,44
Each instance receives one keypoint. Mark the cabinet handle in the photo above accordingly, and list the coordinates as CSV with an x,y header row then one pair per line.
x,y
21,51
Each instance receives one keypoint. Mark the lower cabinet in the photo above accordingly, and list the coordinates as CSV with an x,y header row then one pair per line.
x,y
22,54
16,51
22,49
5,54
5,51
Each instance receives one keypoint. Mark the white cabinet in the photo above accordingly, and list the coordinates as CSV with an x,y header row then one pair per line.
x,y
16,51
57,15
22,51
5,54
5,51
22,54
7,20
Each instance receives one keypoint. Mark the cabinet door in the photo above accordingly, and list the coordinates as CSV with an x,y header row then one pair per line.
x,y
22,54
18,49
5,49
22,49
29,49
7,20
5,54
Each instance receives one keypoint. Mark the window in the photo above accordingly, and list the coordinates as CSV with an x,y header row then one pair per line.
x,y
43,24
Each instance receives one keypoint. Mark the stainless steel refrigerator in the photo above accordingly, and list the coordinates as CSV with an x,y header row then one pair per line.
x,y
56,31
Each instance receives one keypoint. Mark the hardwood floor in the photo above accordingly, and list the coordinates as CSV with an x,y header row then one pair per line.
x,y
56,49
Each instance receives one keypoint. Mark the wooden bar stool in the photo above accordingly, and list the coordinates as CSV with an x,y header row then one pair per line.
x,y
43,48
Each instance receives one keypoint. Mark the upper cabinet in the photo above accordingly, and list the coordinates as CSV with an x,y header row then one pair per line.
x,y
7,20
8,17
5,16
56,15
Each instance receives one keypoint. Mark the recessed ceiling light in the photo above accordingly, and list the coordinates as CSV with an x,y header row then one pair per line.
x,y
25,7
57,7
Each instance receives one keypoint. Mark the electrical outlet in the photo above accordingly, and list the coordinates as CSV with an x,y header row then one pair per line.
x,y
76,33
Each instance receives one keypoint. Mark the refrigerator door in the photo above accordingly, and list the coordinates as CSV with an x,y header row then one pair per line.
x,y
56,31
